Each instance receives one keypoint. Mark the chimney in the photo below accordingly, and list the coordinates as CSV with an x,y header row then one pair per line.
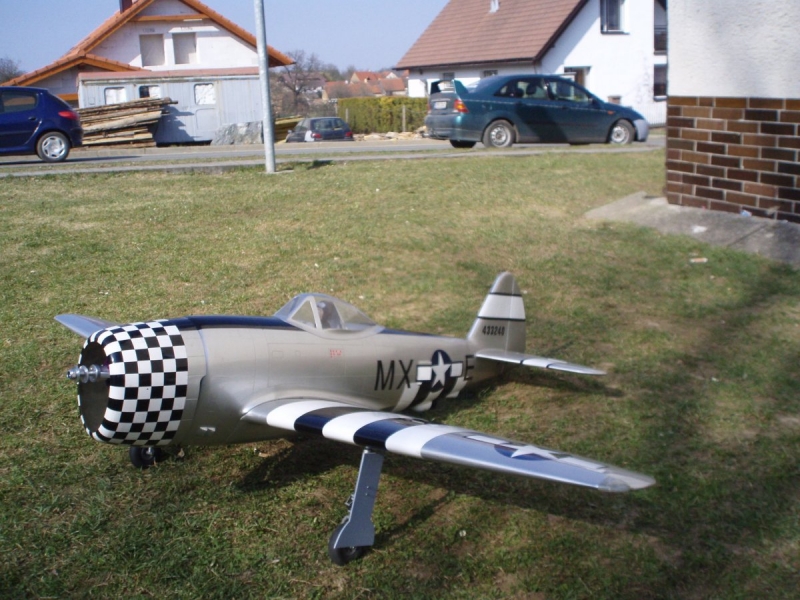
x,y
124,5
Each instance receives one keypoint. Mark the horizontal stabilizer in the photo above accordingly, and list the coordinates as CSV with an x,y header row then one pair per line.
x,y
529,360
84,326
410,436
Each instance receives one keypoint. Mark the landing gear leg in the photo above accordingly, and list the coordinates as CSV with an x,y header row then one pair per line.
x,y
357,533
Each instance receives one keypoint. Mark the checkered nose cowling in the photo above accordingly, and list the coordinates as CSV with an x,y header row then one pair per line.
x,y
132,384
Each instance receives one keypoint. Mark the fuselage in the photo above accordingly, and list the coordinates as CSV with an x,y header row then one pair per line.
x,y
194,386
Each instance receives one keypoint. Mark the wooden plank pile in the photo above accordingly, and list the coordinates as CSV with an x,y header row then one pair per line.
x,y
128,123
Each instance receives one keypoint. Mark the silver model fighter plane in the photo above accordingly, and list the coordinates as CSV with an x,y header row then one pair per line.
x,y
318,366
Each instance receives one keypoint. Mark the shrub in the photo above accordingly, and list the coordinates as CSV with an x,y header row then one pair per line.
x,y
384,114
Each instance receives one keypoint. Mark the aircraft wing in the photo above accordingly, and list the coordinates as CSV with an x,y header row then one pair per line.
x,y
84,326
529,360
417,438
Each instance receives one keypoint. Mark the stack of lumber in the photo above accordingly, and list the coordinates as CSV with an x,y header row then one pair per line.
x,y
128,123
282,126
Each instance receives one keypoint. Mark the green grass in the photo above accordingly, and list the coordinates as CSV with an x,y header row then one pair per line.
x,y
703,361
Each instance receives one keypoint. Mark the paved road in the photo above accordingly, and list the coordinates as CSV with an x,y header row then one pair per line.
x,y
223,157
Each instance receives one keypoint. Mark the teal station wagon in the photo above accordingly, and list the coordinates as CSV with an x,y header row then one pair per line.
x,y
505,109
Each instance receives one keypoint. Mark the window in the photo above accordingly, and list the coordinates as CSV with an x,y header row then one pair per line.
x,y
149,91
568,92
115,95
490,72
578,74
612,16
660,81
449,75
185,46
13,101
152,49
204,93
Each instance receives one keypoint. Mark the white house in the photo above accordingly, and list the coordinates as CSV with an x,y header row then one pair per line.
x,y
616,48
153,36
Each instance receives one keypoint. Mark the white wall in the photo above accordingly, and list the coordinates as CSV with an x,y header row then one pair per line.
x,y
734,48
216,48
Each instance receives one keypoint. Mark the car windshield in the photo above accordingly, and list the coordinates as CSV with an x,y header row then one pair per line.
x,y
324,313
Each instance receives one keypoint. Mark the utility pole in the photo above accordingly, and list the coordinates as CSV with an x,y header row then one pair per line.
x,y
263,72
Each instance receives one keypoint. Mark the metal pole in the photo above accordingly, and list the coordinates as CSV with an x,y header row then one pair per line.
x,y
263,72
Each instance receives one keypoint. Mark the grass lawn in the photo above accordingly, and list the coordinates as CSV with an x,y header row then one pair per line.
x,y
702,391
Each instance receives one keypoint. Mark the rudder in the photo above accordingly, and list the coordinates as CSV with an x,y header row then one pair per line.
x,y
501,318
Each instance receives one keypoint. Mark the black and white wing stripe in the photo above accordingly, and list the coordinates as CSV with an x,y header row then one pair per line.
x,y
409,436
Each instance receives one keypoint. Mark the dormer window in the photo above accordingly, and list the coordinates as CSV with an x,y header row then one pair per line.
x,y
494,6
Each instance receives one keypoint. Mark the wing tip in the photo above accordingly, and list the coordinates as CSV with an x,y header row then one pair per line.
x,y
617,483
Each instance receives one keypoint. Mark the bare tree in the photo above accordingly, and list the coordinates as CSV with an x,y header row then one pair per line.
x,y
9,69
296,77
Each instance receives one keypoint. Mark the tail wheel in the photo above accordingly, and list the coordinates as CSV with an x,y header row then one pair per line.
x,y
499,134
621,133
143,457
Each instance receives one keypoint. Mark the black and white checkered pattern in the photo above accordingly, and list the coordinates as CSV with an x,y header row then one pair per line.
x,y
149,375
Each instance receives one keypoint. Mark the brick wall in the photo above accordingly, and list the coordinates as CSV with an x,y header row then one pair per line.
x,y
734,154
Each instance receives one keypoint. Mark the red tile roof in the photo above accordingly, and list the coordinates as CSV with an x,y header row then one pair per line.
x,y
67,62
467,32
76,56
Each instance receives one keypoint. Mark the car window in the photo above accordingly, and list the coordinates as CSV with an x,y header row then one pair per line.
x,y
484,85
17,101
568,91
513,89
536,89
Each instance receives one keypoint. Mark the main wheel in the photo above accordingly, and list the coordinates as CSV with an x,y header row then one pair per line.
x,y
145,456
461,144
53,146
499,134
621,133
342,556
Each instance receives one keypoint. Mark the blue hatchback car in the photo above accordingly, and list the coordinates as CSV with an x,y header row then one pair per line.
x,y
34,121
505,109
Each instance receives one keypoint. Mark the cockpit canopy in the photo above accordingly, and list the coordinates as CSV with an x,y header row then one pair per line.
x,y
320,312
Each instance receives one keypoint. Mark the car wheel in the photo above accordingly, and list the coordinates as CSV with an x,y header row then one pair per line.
x,y
53,146
621,133
461,144
499,134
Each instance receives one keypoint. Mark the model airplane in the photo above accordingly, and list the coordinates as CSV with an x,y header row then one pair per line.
x,y
320,366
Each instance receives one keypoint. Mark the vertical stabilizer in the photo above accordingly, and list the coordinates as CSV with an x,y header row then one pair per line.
x,y
501,319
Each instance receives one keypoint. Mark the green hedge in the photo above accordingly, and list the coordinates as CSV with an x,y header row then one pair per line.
x,y
381,115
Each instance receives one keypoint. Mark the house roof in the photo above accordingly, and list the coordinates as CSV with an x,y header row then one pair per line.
x,y
470,32
69,61
83,49
394,84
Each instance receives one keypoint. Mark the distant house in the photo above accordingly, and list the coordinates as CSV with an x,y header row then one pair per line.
x,y
177,48
733,132
368,83
616,48
364,77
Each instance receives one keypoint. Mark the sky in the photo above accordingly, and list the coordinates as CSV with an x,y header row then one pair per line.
x,y
368,34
